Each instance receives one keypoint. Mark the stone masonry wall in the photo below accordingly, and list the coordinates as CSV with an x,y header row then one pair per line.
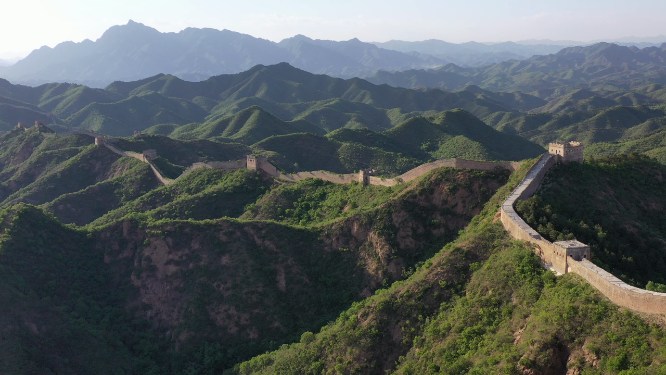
x,y
619,292
406,177
326,176
457,163
555,258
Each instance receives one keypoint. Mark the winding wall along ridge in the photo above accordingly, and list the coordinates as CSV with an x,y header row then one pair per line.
x,y
260,163
552,256
555,258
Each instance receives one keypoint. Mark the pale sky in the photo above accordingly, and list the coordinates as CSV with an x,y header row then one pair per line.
x,y
29,24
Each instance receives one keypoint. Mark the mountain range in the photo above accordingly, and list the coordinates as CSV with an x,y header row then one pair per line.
x,y
135,51
472,53
234,272
603,64
286,92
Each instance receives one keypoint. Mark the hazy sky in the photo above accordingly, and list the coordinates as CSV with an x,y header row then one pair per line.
x,y
29,24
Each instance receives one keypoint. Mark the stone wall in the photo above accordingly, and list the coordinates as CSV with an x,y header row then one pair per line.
x,y
267,167
372,180
326,176
555,258
457,163
406,177
617,291
164,180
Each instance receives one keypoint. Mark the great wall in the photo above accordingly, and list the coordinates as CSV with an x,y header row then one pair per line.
x,y
260,163
572,256
561,257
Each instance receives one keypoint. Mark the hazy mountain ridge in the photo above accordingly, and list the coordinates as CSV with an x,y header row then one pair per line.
x,y
133,51
582,67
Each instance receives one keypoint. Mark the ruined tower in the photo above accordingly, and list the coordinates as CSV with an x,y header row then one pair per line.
x,y
150,154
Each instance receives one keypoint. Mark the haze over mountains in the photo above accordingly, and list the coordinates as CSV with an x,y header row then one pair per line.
x,y
603,64
135,51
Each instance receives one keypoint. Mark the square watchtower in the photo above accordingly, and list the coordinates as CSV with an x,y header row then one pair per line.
x,y
567,152
574,249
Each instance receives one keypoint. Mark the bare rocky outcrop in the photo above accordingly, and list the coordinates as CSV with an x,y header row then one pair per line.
x,y
245,278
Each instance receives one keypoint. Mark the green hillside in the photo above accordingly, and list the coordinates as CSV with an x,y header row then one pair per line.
x,y
482,305
459,134
288,93
202,194
247,126
206,274
616,124
104,269
257,276
613,204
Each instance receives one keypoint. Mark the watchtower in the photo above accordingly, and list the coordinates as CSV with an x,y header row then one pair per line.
x,y
261,163
138,134
567,152
100,141
22,125
252,162
363,177
149,154
574,249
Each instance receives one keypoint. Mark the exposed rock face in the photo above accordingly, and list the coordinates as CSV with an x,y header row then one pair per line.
x,y
242,281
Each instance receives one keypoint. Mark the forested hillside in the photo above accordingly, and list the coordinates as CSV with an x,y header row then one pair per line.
x,y
180,285
482,305
615,205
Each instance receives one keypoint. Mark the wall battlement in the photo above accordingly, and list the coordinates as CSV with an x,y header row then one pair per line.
x,y
572,256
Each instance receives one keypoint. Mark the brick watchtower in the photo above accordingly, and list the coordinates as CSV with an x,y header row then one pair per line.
x,y
567,152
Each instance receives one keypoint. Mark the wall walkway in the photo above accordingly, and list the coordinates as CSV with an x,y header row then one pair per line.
x,y
554,258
